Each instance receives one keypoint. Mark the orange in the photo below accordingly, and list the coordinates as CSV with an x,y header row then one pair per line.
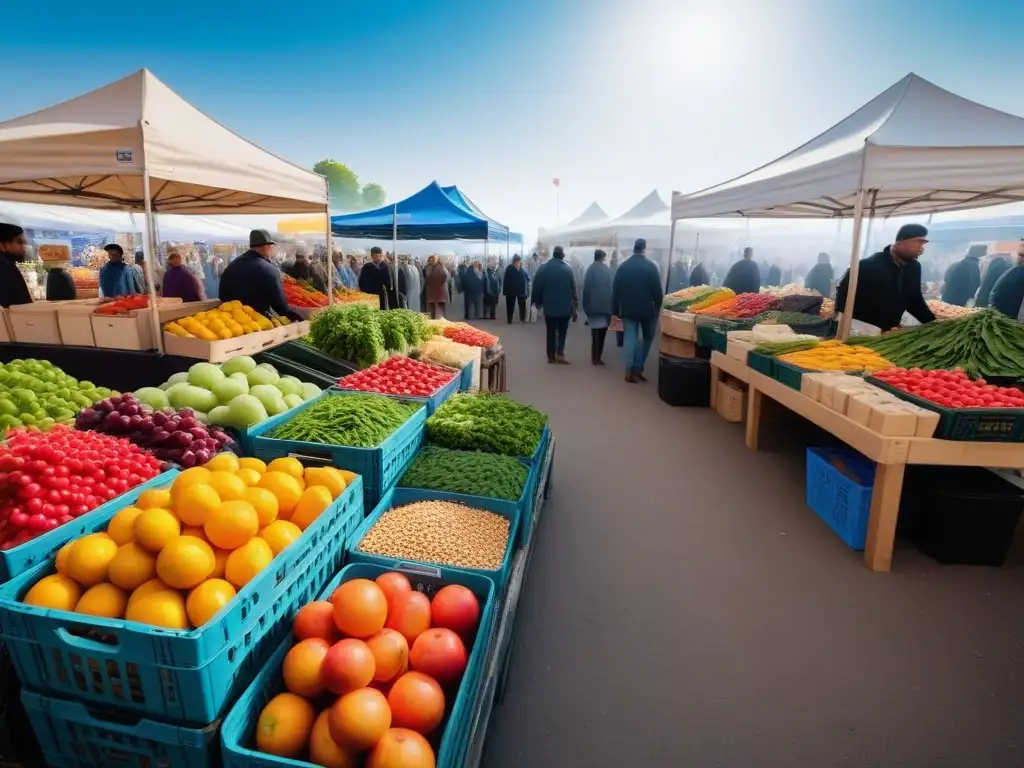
x,y
347,475
417,702
390,654
287,489
311,505
195,503
220,562
187,479
322,749
359,719
185,562
225,461
284,726
279,534
265,504
89,560
160,608
131,567
247,561
229,487
401,748
249,462
288,465
154,497
360,608
195,531
54,591
60,562
328,477
301,667
154,528
120,526
232,524
250,476
206,600
148,588
104,600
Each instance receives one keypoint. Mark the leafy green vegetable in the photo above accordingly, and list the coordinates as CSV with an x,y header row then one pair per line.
x,y
349,333
469,472
489,423
359,421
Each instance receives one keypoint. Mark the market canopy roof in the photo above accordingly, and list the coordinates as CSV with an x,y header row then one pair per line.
x,y
651,207
495,230
916,148
430,214
91,151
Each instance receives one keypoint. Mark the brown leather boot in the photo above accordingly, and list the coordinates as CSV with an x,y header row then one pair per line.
x,y
631,377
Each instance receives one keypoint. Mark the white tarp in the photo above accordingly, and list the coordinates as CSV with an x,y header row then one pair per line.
x,y
90,152
916,148
592,216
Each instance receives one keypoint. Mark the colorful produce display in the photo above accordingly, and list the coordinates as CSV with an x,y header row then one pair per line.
x,y
715,297
944,311
833,355
48,479
489,423
399,375
181,553
359,421
37,393
170,435
349,333
440,532
680,301
228,321
984,344
693,292
350,296
791,289
123,305
742,306
469,472
237,393
828,308
85,279
785,346
951,389
370,675
302,294
471,337
444,351
794,319
804,303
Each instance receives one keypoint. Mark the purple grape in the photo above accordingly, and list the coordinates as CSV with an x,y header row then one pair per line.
x,y
171,454
199,433
116,401
135,421
124,422
147,425
90,417
183,438
188,422
160,435
188,459
171,425
112,422
186,412
202,456
159,418
129,409
103,405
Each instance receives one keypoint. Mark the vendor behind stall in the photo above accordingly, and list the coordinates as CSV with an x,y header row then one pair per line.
x,y
13,244
118,278
253,280
60,286
889,283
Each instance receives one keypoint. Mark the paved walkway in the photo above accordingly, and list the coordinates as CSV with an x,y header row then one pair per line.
x,y
686,609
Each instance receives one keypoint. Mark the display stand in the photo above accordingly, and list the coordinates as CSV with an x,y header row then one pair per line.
x,y
890,454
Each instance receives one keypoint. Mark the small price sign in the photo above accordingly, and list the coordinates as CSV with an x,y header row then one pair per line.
x,y
54,253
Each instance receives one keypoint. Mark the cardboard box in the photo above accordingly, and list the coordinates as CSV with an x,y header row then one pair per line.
x,y
224,349
731,401
134,330
35,323
5,326
74,318
673,347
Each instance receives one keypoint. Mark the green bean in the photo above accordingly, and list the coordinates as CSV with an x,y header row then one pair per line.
x,y
358,421
469,472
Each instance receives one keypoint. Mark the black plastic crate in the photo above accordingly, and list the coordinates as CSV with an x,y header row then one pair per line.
x,y
684,381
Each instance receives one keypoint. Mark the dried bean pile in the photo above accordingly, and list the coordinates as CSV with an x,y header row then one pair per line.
x,y
440,532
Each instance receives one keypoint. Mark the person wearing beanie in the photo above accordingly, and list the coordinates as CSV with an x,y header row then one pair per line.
x,y
254,281
744,276
889,283
964,277
820,276
554,292
118,278
636,299
13,243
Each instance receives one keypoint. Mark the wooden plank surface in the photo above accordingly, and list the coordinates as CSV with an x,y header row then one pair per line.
x,y
730,365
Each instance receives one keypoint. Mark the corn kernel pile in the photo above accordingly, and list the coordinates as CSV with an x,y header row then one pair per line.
x,y
833,355
440,532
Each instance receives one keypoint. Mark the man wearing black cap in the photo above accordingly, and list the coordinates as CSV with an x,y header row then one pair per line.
x,y
116,277
375,277
889,282
12,252
254,281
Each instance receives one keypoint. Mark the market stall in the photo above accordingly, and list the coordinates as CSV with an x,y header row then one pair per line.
x,y
890,157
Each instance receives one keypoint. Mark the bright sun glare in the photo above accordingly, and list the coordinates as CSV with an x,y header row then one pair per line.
x,y
702,43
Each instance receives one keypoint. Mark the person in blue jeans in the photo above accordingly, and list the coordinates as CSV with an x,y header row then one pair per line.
x,y
554,291
636,299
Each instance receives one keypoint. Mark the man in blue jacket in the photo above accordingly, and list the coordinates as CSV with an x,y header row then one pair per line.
x,y
636,299
554,291
254,281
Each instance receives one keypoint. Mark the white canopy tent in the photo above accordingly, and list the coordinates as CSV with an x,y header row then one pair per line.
x,y
914,149
592,216
135,145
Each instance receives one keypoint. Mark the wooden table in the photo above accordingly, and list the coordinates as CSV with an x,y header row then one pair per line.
x,y
890,454
492,362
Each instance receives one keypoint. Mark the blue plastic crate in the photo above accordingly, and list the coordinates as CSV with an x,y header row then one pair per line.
x,y
246,437
72,735
540,471
398,497
185,676
380,467
14,562
466,377
237,733
432,403
839,500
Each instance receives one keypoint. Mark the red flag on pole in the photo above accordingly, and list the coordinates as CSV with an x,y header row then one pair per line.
x,y
557,182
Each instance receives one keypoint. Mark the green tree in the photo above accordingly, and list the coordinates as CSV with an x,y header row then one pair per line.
x,y
342,183
374,195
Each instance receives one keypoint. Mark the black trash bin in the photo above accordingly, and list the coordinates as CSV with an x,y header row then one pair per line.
x,y
961,515
684,381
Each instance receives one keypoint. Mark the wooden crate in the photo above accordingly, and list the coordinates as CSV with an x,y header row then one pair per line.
x,y
674,347
35,323
134,330
731,401
5,326
224,349
678,325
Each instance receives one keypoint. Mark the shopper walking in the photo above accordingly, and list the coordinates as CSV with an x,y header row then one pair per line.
x,y
492,288
435,278
744,276
820,278
554,292
964,277
636,298
516,287
179,282
118,278
597,303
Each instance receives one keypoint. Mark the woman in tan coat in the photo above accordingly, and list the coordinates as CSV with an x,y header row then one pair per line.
x,y
436,278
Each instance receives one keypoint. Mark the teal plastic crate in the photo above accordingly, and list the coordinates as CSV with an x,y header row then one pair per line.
x,y
764,364
186,676
72,735
398,497
14,562
466,377
788,374
237,732
433,402
379,467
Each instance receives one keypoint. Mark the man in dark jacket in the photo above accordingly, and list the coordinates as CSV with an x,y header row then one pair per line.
x,y
677,277
699,275
597,303
821,275
554,291
59,284
889,283
375,277
636,299
13,244
995,269
964,277
774,277
1008,293
492,288
516,287
744,276
254,281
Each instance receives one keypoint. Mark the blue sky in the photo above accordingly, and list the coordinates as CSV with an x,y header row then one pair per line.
x,y
613,97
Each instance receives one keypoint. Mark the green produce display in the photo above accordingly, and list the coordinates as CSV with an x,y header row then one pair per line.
x,y
349,333
38,393
985,343
776,348
359,421
490,423
797,318
469,472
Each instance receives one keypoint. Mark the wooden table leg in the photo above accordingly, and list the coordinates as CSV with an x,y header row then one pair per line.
x,y
885,509
716,376
754,397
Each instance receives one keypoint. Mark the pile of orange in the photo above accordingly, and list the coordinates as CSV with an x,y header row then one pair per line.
x,y
180,554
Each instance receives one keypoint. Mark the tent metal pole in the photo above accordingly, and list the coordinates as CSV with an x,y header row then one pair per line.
x,y
851,290
394,249
671,250
149,257
330,256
